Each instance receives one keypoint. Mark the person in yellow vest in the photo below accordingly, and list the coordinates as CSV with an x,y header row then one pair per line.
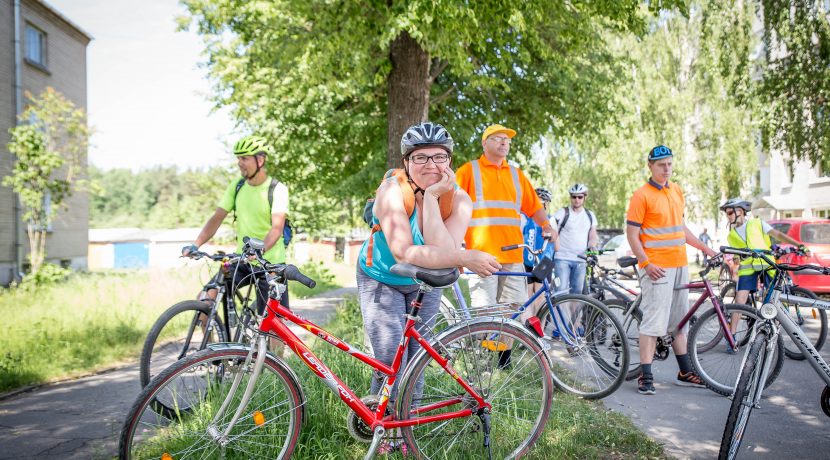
x,y
658,236
752,233
500,192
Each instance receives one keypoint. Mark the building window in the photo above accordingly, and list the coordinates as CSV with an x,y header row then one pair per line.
x,y
35,45
822,213
787,214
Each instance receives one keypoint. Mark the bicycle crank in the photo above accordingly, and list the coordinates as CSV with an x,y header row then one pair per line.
x,y
825,400
357,427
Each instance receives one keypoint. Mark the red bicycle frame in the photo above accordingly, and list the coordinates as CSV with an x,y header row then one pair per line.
x,y
273,324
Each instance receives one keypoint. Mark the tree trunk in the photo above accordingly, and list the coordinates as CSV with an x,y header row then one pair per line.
x,y
408,98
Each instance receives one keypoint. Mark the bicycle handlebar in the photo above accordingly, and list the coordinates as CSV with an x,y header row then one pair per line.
x,y
764,253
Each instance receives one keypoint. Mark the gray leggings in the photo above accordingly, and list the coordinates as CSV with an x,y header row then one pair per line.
x,y
383,307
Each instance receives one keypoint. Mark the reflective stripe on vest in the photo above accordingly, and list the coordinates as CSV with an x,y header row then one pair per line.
x,y
663,237
755,239
481,203
664,243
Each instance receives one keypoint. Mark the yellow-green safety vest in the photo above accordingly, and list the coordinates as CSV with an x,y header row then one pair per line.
x,y
756,238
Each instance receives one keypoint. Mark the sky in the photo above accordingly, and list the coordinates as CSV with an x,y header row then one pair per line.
x,y
148,100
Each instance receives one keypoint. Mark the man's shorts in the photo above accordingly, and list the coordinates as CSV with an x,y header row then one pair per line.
x,y
750,282
499,289
663,306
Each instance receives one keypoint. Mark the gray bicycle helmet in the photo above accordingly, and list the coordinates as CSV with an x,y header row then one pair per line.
x,y
578,189
736,203
425,134
544,195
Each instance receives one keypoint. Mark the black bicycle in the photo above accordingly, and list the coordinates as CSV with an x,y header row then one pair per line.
x,y
219,315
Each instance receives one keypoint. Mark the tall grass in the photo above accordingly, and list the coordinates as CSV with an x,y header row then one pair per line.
x,y
94,320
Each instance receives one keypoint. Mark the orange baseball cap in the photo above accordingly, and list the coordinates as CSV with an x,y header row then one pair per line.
x,y
493,129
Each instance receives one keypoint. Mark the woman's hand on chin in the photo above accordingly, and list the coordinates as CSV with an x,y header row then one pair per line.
x,y
443,186
482,263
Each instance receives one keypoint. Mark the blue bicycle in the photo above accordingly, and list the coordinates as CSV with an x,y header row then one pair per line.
x,y
582,337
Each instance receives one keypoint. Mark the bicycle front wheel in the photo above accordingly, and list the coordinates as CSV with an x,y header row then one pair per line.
x,y
718,365
747,394
505,365
590,357
811,320
198,388
180,331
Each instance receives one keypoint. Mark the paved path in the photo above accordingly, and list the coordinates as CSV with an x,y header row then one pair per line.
x,y
81,419
689,421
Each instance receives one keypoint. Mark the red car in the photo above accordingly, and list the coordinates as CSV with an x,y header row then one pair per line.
x,y
815,234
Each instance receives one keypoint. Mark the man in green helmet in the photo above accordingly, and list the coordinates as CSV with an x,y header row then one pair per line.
x,y
249,197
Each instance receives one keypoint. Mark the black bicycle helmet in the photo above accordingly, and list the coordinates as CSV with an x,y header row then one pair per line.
x,y
736,203
425,134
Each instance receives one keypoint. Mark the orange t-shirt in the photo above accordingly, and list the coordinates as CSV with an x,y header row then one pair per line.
x,y
491,228
658,211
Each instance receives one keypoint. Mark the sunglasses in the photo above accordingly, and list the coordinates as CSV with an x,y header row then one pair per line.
x,y
577,197
730,212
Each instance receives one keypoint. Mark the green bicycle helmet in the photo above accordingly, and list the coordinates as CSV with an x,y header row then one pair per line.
x,y
251,145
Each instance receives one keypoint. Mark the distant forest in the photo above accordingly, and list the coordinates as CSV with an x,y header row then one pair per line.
x,y
161,197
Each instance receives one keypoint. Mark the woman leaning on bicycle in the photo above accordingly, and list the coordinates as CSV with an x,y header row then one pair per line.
x,y
422,238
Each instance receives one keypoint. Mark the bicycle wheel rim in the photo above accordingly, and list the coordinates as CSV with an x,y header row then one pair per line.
x,y
269,426
520,394
746,393
178,333
812,321
588,358
632,335
718,368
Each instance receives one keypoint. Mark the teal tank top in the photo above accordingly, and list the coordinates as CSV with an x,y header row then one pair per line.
x,y
382,259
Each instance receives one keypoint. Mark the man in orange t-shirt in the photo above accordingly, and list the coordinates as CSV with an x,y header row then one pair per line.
x,y
500,192
658,235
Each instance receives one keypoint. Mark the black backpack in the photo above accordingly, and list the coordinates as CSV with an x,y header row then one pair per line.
x,y
568,214
287,229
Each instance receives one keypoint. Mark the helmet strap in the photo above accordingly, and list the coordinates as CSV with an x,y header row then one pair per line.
x,y
415,187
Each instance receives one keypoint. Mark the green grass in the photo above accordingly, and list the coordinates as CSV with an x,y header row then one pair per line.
x,y
95,320
576,428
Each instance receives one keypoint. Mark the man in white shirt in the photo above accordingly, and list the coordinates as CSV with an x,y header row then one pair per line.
x,y
577,229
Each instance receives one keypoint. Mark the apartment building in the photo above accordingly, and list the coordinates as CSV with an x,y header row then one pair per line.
x,y
800,191
39,48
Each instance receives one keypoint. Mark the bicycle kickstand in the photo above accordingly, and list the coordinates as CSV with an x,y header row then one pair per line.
x,y
376,440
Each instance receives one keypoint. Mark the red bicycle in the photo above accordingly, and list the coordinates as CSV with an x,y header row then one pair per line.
x,y
454,400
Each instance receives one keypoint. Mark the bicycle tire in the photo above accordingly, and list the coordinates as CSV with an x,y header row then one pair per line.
x,y
813,324
520,393
589,359
157,356
631,326
746,392
199,384
717,368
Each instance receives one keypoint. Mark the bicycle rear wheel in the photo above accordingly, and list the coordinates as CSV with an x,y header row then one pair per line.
x,y
747,393
589,357
179,332
519,390
196,387
631,326
716,365
812,321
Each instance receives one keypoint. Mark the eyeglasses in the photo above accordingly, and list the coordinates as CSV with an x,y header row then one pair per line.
x,y
730,212
577,197
500,139
424,159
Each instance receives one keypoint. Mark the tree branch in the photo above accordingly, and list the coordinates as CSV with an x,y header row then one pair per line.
x,y
442,96
436,68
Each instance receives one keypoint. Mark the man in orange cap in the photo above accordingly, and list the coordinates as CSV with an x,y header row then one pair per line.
x,y
500,192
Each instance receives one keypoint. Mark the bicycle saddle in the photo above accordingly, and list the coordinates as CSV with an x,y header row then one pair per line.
x,y
626,262
431,276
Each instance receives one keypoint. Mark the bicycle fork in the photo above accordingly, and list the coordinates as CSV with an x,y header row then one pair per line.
x,y
213,431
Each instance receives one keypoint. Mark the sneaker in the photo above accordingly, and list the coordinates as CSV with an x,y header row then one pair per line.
x,y
645,384
730,350
504,359
689,379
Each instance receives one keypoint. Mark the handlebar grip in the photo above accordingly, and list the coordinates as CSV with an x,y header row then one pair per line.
x,y
735,251
291,272
510,248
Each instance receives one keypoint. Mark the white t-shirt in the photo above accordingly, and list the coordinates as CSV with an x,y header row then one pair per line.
x,y
742,229
574,239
